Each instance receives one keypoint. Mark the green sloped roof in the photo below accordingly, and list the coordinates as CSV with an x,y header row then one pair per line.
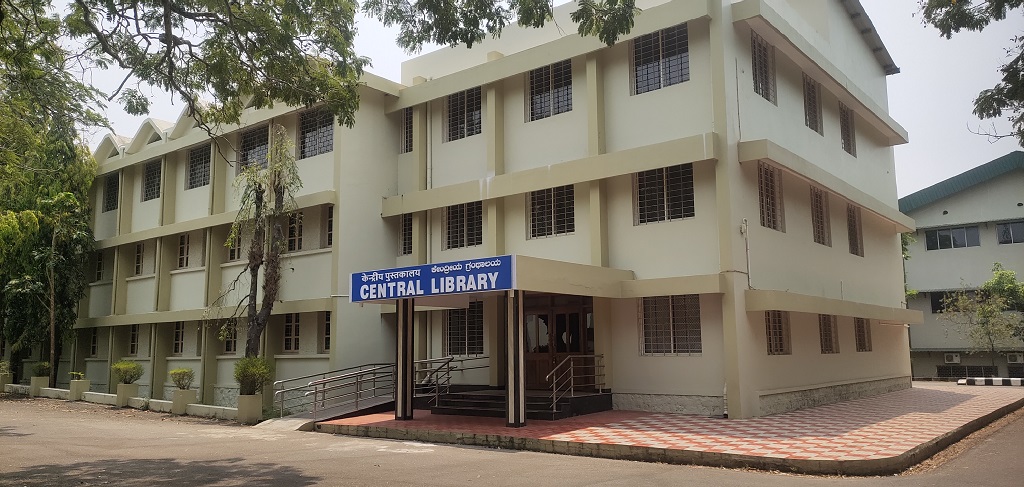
x,y
985,172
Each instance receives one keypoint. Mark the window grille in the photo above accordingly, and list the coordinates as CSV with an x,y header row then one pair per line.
x,y
552,211
316,132
151,181
94,342
110,189
295,231
862,329
763,67
812,105
670,324
846,130
231,339
464,226
183,250
1010,232
769,189
99,266
198,167
663,194
777,331
235,250
133,340
829,334
330,225
550,90
406,130
327,332
660,59
254,147
853,228
291,332
820,219
952,238
464,330
140,251
464,116
405,234
178,343
964,371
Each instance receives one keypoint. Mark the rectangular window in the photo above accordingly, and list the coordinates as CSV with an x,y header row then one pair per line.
x,y
952,238
110,192
133,340
777,331
325,344
938,299
406,130
464,117
329,226
769,191
140,252
862,329
663,194
291,332
316,132
820,223
99,266
670,324
829,333
295,231
253,148
94,342
660,59
552,211
464,330
198,167
231,339
183,250
854,230
405,235
550,90
178,343
1011,232
235,250
846,130
151,181
464,225
812,105
762,62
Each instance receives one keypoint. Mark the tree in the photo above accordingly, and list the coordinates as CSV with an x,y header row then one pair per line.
x,y
951,16
986,317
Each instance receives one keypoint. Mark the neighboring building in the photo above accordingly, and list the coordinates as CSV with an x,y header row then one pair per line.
x,y
709,205
966,224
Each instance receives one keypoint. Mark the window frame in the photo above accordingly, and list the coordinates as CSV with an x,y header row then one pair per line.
x,y
329,226
762,67
812,105
294,232
1009,227
463,114
407,131
682,309
151,180
111,191
133,340
847,129
178,339
184,244
660,70
316,133
933,237
231,340
771,198
552,212
99,266
862,332
673,200
290,333
257,152
199,159
325,336
828,334
463,225
549,90
855,229
405,234
140,256
469,324
94,342
777,332
821,219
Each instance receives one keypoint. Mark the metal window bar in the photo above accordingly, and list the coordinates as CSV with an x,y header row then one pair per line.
x,y
853,228
231,340
540,93
777,331
541,213
291,332
178,344
671,324
663,194
111,187
769,188
406,131
183,250
295,231
820,218
316,133
464,225
235,250
151,181
862,328
464,115
846,130
254,147
330,225
762,56
133,340
812,105
575,372
99,265
405,235
828,334
327,332
139,256
198,167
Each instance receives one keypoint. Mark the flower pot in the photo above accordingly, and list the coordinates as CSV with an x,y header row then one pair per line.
x,y
181,399
37,383
77,388
5,379
250,408
125,391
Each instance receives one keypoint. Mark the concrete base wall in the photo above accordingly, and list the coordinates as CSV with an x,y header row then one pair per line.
x,y
781,402
666,403
100,398
54,393
225,397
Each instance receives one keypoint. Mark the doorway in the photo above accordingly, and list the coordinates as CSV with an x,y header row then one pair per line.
x,y
557,326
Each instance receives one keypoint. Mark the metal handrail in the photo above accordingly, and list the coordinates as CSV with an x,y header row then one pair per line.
x,y
355,380
564,381
280,390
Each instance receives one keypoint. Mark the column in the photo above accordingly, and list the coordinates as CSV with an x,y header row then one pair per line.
x,y
405,381
515,408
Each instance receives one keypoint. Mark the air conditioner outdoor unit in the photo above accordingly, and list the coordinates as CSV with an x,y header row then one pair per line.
x,y
1015,358
951,358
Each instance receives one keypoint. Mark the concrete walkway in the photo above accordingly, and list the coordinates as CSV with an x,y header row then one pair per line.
x,y
872,436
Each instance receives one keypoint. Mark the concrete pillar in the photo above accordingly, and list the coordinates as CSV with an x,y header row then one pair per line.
x,y
515,409
405,380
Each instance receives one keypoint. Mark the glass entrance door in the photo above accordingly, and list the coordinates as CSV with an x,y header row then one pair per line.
x,y
557,326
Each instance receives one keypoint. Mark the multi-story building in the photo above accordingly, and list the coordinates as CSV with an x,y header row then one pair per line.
x,y
709,205
966,224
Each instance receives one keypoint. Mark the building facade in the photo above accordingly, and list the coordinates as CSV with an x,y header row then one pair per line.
x,y
966,224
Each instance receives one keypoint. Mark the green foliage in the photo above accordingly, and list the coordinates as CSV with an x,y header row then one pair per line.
x,y
77,375
41,369
127,371
252,374
986,317
183,378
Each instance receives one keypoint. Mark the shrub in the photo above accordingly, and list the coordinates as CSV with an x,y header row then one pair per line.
x,y
77,375
251,373
41,369
183,378
5,367
127,372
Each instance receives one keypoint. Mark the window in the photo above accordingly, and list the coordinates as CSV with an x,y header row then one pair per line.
x,y
862,329
820,223
94,342
550,90
938,299
151,181
769,191
178,342
133,340
762,64
670,324
140,252
463,115
846,130
235,250
552,212
464,225
291,332
464,330
99,266
812,105
231,339
1010,233
952,238
406,131
405,235
253,148
198,167
660,59
829,333
183,250
329,224
325,344
316,133
295,231
663,194
110,190
777,331
853,228
964,371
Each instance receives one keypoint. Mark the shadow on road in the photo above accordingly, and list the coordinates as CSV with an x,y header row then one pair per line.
x,y
159,472
10,432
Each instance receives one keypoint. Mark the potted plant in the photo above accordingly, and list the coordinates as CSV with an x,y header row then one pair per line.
x,y
6,377
184,395
79,385
127,372
252,373
40,378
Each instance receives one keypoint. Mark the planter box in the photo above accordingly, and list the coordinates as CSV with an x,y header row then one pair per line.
x,y
181,400
5,379
36,384
250,408
77,388
125,391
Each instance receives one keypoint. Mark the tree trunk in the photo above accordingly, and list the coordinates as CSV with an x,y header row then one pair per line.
x,y
256,254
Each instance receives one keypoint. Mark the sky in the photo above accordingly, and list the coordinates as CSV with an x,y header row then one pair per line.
x,y
932,96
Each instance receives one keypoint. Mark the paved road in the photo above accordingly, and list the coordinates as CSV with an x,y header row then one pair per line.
x,y
45,442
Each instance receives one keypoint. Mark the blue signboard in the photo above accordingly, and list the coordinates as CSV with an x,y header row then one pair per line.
x,y
458,277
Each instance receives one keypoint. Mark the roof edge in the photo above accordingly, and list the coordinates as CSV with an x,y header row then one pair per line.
x,y
963,181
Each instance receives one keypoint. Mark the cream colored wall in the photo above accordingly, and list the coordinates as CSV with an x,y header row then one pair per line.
x,y
99,297
993,201
306,275
141,294
104,222
572,247
146,214
935,333
456,161
231,271
187,287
